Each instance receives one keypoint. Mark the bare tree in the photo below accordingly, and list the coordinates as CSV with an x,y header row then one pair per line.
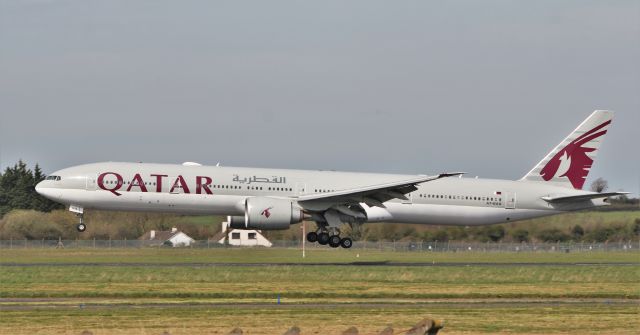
x,y
599,185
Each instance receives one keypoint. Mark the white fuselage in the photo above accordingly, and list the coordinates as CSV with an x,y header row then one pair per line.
x,y
213,190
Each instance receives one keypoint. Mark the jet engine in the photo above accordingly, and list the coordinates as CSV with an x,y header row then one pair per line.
x,y
267,214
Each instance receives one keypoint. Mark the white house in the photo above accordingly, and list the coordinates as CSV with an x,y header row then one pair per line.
x,y
172,238
240,237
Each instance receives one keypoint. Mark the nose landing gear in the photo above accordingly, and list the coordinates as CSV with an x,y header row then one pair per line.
x,y
81,227
80,214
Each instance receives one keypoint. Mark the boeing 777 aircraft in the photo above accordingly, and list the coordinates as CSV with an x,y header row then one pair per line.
x,y
268,199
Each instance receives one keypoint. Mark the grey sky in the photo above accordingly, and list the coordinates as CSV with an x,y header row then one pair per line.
x,y
487,87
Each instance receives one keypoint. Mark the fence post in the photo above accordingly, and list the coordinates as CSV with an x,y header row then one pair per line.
x,y
25,243
94,242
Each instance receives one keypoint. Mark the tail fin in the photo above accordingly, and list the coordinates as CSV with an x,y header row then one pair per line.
x,y
570,161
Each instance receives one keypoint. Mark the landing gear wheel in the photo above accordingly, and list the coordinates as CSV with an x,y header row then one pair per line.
x,y
312,237
81,227
334,241
346,243
323,238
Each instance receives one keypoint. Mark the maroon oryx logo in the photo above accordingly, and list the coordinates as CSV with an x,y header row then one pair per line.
x,y
266,212
574,159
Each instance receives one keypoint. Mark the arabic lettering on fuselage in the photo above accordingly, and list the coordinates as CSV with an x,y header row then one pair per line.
x,y
255,179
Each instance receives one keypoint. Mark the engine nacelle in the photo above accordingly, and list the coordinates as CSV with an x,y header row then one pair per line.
x,y
265,213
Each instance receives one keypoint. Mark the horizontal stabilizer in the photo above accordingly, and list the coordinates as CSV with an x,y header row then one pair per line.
x,y
582,197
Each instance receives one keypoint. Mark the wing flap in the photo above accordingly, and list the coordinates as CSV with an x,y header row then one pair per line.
x,y
374,195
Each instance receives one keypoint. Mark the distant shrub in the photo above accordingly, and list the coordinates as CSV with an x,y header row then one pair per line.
x,y
608,233
577,232
440,235
492,233
520,235
28,224
552,235
457,233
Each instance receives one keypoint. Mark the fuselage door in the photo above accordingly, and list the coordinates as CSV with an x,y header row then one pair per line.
x,y
91,184
509,200
409,198
301,188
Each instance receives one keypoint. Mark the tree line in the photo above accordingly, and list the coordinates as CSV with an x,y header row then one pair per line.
x,y
17,190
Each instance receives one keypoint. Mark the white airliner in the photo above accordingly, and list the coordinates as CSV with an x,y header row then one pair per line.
x,y
270,199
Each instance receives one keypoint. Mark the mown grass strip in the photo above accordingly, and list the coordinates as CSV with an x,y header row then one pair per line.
x,y
597,319
329,282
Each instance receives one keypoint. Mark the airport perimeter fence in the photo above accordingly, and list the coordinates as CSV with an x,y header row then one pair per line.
x,y
397,246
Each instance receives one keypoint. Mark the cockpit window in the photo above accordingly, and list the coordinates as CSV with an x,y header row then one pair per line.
x,y
56,178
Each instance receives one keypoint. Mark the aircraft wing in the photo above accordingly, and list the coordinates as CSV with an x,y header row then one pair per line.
x,y
581,197
374,195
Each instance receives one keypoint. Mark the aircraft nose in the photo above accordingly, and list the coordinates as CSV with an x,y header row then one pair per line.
x,y
45,191
39,188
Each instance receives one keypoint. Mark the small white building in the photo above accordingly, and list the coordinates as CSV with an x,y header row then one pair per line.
x,y
172,238
241,237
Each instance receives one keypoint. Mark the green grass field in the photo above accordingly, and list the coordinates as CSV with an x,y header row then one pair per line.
x,y
160,295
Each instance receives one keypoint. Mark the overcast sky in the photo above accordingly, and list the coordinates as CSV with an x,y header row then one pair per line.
x,y
487,87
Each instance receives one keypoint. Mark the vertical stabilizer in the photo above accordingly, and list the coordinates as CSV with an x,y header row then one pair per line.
x,y
570,161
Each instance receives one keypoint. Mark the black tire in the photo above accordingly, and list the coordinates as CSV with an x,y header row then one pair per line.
x,y
312,237
334,241
323,238
81,227
346,243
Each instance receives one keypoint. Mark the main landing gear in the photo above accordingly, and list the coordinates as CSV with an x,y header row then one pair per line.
x,y
333,240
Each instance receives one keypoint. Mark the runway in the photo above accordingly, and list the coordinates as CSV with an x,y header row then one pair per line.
x,y
358,264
